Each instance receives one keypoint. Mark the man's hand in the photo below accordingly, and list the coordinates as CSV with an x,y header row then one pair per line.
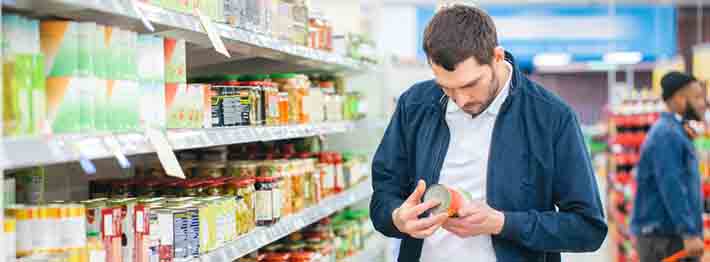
x,y
476,218
406,217
694,246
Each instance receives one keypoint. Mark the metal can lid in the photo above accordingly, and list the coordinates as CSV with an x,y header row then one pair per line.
x,y
440,194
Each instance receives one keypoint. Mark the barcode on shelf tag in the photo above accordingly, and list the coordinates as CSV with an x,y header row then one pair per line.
x,y
209,27
115,148
137,9
165,153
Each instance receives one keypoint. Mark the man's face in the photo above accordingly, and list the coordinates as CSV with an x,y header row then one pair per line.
x,y
471,86
695,97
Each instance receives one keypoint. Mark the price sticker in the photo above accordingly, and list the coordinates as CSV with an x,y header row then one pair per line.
x,y
137,10
115,148
165,153
214,37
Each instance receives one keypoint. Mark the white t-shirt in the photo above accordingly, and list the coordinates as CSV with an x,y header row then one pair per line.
x,y
465,167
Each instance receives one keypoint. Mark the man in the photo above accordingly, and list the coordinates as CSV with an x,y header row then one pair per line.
x,y
484,127
668,209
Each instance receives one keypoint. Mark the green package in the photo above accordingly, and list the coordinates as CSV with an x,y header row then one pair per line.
x,y
60,47
17,93
64,104
39,94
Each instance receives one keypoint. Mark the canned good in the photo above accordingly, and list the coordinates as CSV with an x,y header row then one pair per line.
x,y
233,105
450,199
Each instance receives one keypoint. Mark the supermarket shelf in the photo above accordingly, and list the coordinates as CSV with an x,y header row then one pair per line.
x,y
263,236
251,53
47,150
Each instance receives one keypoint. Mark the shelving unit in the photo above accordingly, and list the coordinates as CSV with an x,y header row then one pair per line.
x,y
263,236
49,150
251,53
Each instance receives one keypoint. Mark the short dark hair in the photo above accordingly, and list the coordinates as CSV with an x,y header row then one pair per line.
x,y
457,33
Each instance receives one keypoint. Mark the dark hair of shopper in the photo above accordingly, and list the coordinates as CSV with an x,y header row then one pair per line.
x,y
457,33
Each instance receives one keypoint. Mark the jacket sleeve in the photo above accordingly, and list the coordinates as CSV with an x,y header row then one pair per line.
x,y
669,168
388,170
578,225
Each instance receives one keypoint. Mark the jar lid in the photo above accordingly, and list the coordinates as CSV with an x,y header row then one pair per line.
x,y
257,77
283,76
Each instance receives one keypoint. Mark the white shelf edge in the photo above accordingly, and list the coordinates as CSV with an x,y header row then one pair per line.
x,y
47,150
190,24
263,236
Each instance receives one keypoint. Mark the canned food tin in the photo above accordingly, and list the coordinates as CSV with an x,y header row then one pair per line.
x,y
450,199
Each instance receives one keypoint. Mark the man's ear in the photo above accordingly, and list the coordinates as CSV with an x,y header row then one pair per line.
x,y
498,54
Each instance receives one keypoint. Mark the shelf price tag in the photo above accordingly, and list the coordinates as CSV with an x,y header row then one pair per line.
x,y
115,148
165,153
139,13
209,27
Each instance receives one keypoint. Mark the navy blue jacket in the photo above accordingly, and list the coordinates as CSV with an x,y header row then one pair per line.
x,y
539,172
668,200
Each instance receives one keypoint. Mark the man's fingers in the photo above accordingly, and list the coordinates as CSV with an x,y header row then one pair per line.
x,y
416,196
428,222
470,209
421,208
421,234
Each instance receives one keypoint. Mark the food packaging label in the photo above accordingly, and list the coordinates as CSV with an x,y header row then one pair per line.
x,y
60,46
64,103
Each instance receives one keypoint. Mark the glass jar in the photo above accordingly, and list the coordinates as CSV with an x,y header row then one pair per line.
x,y
337,161
212,169
297,88
312,187
215,188
297,185
242,169
271,93
299,28
188,167
214,154
283,171
265,197
327,174
283,108
316,29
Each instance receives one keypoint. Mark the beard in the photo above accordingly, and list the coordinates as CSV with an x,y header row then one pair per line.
x,y
493,88
690,113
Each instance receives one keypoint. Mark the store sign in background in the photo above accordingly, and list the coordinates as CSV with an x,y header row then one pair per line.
x,y
585,32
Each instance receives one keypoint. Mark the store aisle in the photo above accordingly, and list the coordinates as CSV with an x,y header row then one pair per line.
x,y
604,253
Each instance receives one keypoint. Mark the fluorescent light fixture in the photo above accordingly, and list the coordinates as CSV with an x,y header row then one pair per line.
x,y
552,59
623,58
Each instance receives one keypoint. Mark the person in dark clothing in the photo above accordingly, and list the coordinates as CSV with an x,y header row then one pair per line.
x,y
484,127
667,214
